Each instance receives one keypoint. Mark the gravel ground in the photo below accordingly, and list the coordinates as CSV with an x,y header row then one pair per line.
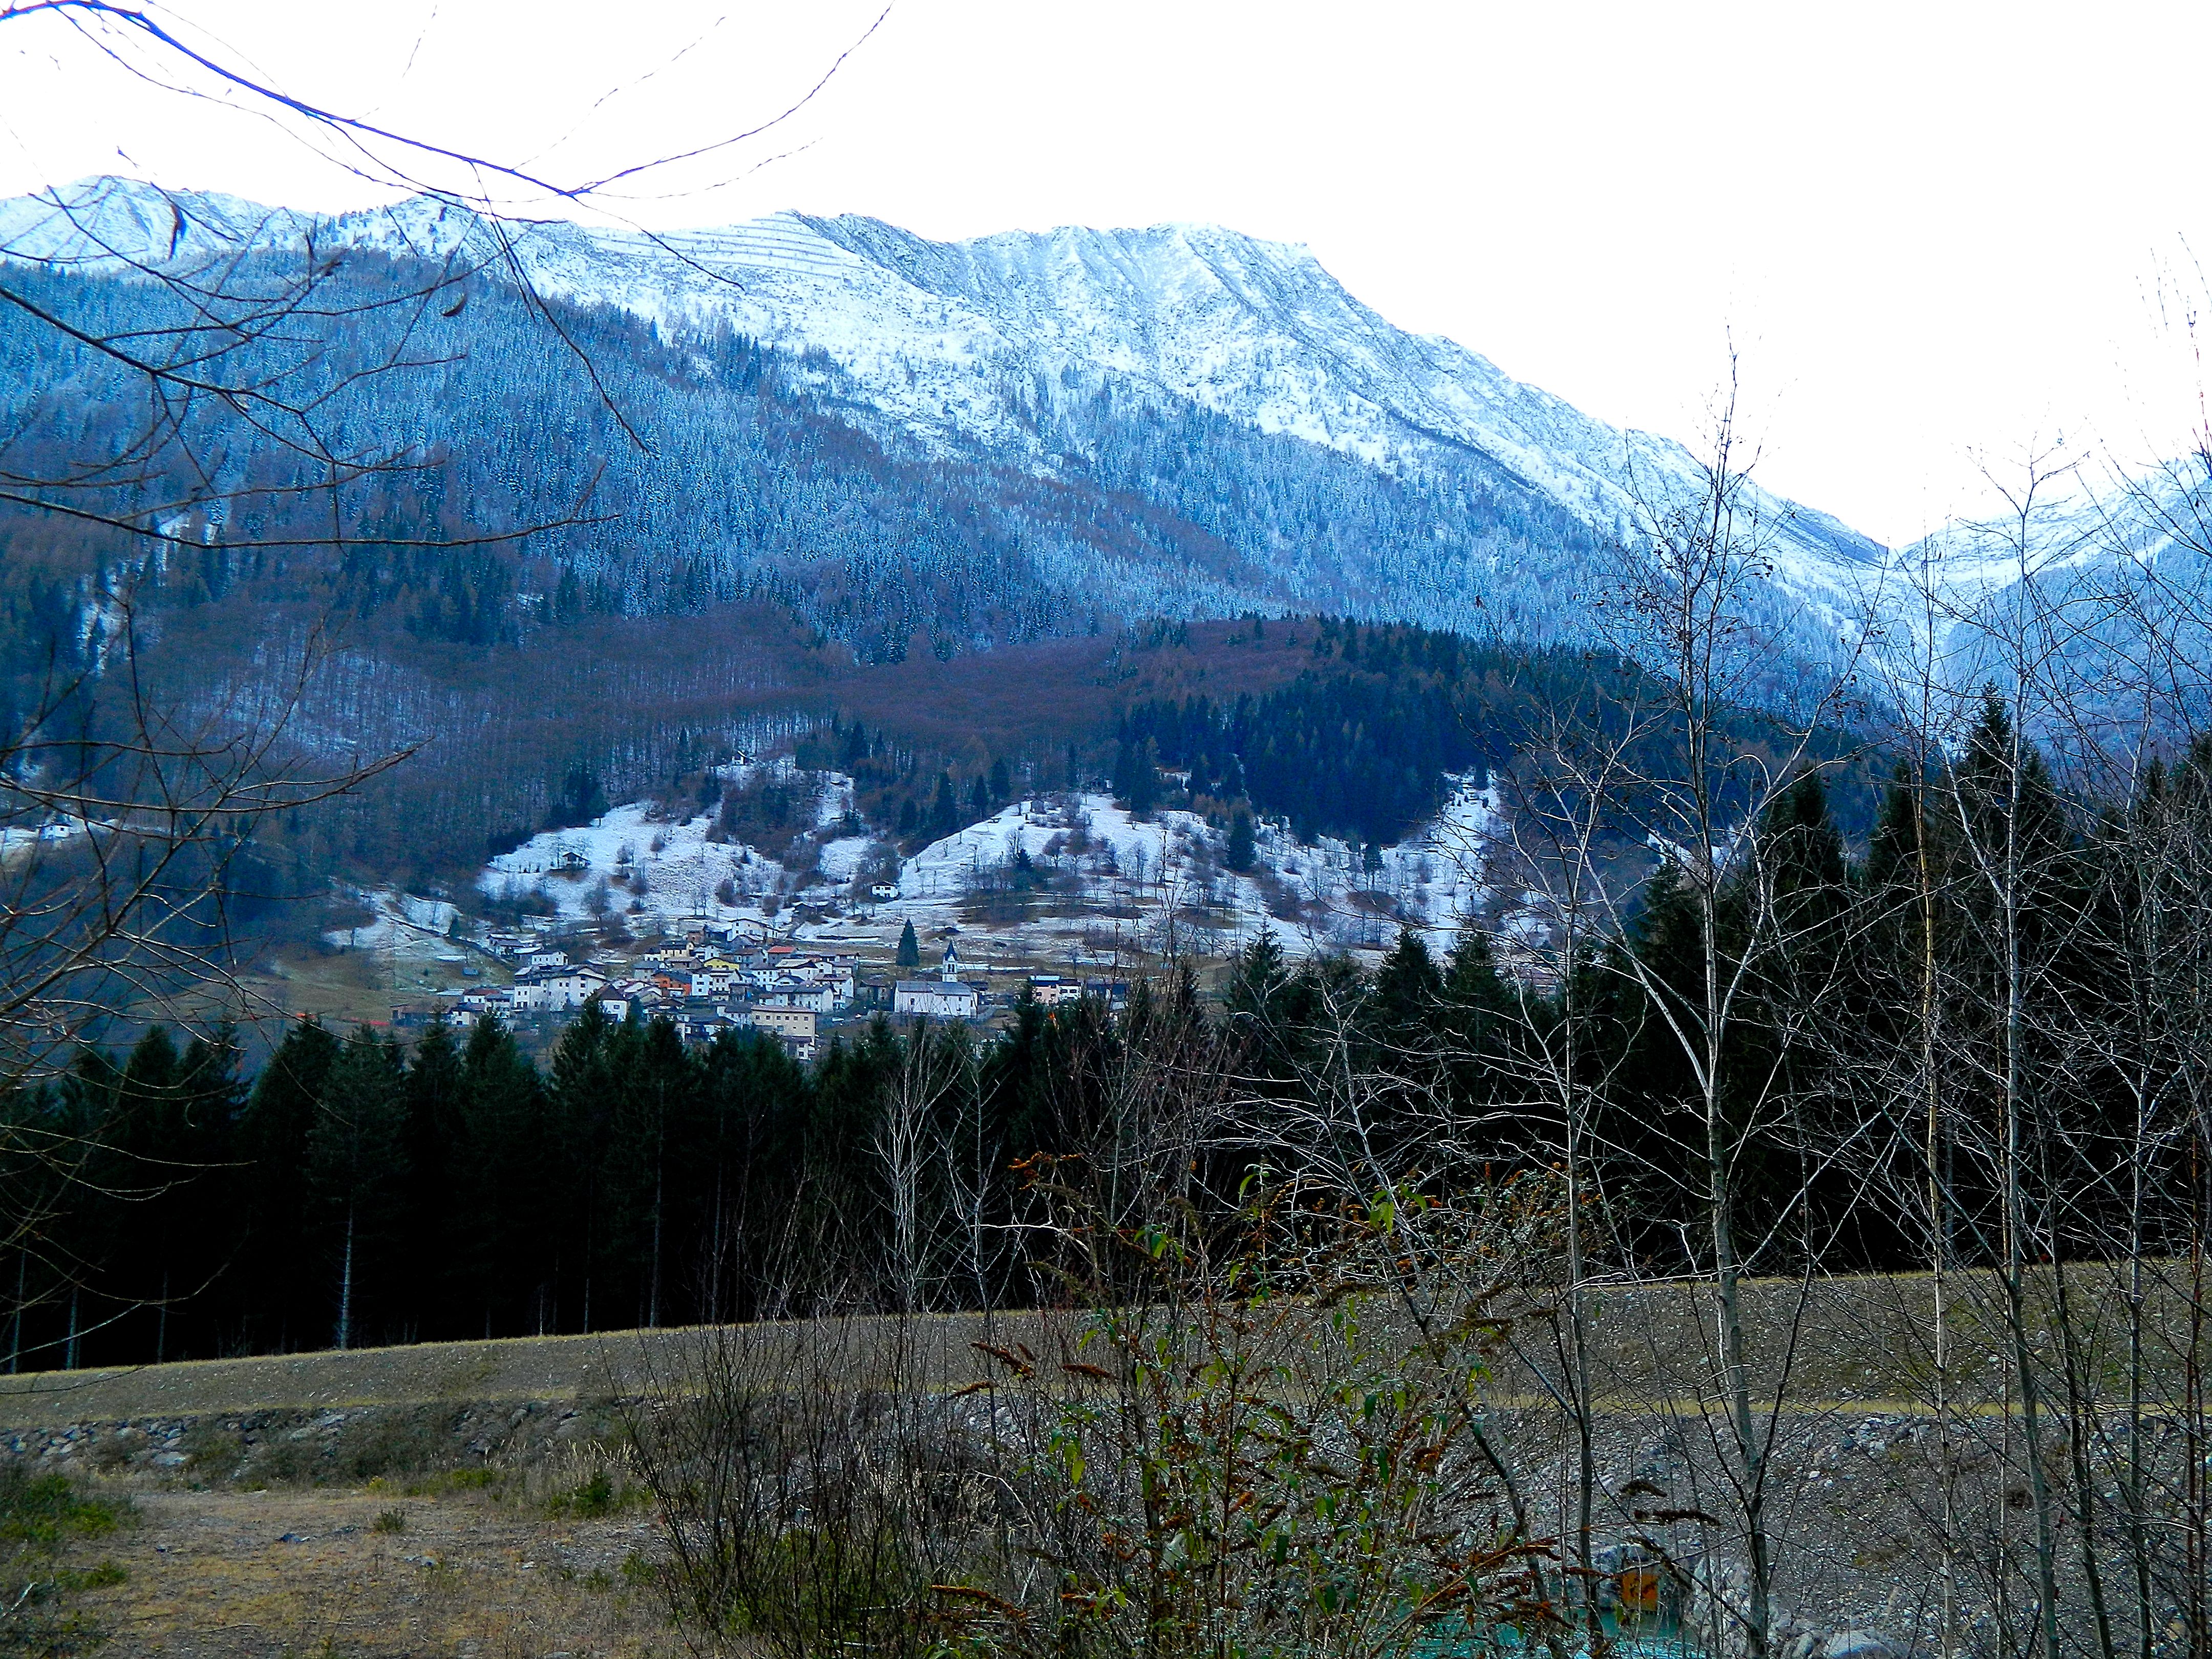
x,y
241,1575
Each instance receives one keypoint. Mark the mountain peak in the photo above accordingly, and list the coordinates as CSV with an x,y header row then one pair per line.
x,y
959,347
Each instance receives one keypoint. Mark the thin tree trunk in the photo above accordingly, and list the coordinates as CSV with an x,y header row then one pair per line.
x,y
15,1321
653,1319
2016,1208
1938,1244
2082,1427
345,1287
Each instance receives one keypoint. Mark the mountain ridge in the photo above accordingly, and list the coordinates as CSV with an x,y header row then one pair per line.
x,y
961,346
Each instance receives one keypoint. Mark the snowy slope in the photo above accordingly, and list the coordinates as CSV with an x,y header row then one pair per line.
x,y
2118,568
956,346
1123,883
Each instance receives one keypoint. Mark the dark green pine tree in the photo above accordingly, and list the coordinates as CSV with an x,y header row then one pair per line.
x,y
197,1216
430,1243
1002,782
355,1177
1143,794
139,1180
754,1106
909,948
1479,1017
1243,850
1257,978
656,1106
979,800
836,1228
1408,993
1472,982
1806,853
511,1244
282,1289
944,815
583,1090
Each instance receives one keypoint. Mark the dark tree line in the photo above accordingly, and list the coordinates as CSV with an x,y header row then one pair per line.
x,y
1363,744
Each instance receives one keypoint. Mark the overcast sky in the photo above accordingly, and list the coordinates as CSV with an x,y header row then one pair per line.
x,y
1936,234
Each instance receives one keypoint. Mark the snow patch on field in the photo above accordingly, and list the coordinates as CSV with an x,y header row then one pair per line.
x,y
403,926
569,866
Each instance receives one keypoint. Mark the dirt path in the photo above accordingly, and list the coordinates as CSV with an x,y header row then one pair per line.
x,y
242,1575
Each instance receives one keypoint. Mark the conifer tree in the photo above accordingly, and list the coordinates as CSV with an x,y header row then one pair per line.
x,y
1479,1008
582,1096
136,1177
430,1220
182,1227
512,1248
1257,978
1408,990
909,948
354,1172
659,1089
1242,850
1143,791
282,1291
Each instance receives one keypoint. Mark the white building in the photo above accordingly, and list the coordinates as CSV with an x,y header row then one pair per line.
x,y
815,996
556,989
936,998
796,1023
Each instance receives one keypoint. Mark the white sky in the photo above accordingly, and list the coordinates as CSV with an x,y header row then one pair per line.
x,y
1934,232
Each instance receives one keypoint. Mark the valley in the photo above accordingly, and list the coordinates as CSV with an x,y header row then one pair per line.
x,y
789,937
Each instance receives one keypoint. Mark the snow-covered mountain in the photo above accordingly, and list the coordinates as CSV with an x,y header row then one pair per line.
x,y
971,348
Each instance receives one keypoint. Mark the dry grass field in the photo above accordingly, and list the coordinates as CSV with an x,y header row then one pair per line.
x,y
307,1570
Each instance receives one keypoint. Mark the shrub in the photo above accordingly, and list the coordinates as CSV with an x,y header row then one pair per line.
x,y
41,1517
599,1495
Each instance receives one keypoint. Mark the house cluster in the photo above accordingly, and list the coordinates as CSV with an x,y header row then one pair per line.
x,y
704,984
719,976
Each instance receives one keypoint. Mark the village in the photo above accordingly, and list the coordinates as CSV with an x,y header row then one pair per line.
x,y
649,913
713,980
